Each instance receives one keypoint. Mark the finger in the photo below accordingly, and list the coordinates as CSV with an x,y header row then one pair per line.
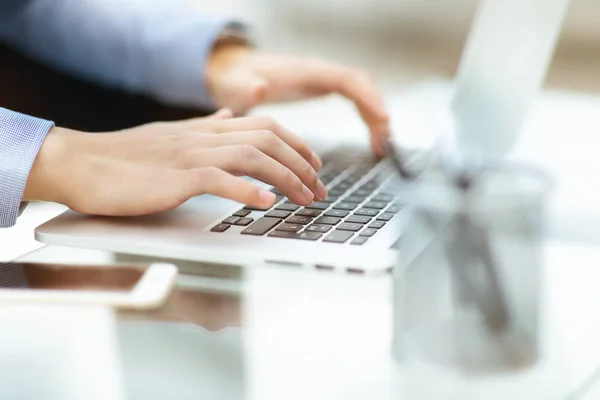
x,y
247,160
247,91
215,181
223,113
268,124
271,145
242,90
360,89
324,77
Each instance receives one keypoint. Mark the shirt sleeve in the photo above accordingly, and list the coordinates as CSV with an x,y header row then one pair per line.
x,y
21,137
155,47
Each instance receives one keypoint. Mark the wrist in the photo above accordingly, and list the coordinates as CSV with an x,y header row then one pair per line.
x,y
48,179
225,55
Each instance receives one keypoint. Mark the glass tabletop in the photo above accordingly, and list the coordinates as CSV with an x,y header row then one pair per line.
x,y
230,332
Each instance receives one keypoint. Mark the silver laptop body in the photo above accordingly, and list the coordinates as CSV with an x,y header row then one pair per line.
x,y
358,229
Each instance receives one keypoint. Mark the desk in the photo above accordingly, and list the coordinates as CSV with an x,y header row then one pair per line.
x,y
287,333
277,333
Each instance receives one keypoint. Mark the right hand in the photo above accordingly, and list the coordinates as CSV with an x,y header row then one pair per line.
x,y
157,167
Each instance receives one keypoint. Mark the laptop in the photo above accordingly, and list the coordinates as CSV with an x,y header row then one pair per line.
x,y
358,227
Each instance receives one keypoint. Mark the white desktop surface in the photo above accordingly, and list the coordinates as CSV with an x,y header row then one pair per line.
x,y
328,336
59,351
320,335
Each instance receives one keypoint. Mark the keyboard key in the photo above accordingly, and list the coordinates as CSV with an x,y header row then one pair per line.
x,y
360,172
359,240
368,232
327,178
344,185
358,219
338,237
287,206
336,213
289,227
244,221
319,228
354,199
331,199
328,220
345,206
283,234
393,209
220,228
336,192
369,212
298,220
350,227
252,208
385,217
309,235
278,214
292,235
383,197
276,191
371,185
361,192
318,205
261,226
378,205
242,213
230,220
307,212
377,224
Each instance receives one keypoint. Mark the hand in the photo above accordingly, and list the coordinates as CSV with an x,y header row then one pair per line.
x,y
157,167
241,78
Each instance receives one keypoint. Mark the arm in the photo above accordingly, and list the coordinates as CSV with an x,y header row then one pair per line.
x,y
151,168
165,49
156,47
20,139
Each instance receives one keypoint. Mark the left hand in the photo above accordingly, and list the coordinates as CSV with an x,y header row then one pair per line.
x,y
241,78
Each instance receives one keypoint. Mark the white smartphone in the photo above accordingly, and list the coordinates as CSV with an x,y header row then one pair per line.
x,y
120,286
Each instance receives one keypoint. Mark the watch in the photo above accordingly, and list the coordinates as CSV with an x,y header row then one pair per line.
x,y
234,34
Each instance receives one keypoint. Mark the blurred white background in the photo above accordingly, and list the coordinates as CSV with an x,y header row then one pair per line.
x,y
402,41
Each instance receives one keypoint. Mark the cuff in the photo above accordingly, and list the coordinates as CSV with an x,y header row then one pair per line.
x,y
22,207
177,65
21,137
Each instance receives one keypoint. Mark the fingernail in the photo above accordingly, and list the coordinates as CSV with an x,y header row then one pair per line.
x,y
316,161
222,113
266,197
321,190
308,195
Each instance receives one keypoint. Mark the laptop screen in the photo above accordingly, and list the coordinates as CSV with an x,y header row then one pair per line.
x,y
503,67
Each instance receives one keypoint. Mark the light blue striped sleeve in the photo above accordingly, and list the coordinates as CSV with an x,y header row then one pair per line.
x,y
155,47
21,137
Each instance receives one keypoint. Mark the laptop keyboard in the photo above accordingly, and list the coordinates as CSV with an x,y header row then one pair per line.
x,y
361,200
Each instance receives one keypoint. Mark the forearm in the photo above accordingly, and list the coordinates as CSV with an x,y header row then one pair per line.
x,y
21,137
157,48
